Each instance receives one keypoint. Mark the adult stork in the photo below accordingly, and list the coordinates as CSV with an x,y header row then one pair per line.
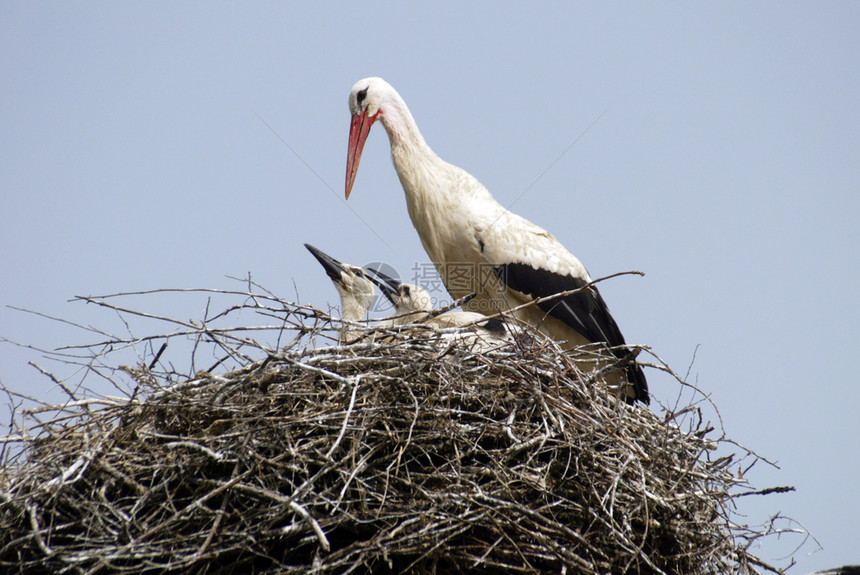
x,y
479,246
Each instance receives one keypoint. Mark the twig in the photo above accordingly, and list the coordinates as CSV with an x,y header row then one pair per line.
x,y
337,441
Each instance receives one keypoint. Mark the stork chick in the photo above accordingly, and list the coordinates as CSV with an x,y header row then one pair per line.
x,y
355,289
413,304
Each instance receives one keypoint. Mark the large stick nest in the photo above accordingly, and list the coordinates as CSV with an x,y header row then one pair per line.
x,y
408,452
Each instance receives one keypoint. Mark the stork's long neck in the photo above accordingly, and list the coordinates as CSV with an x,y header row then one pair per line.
x,y
425,178
409,151
353,310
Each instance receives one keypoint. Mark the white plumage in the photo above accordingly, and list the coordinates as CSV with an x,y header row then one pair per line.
x,y
355,289
479,246
412,305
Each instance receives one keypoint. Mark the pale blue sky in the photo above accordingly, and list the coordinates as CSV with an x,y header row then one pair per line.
x,y
722,161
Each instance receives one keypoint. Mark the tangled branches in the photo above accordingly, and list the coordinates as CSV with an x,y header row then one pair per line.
x,y
405,452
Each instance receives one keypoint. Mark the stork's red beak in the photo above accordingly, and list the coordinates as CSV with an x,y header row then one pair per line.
x,y
359,128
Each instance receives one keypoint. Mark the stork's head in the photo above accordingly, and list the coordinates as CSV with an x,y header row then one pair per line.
x,y
413,298
406,298
355,289
367,103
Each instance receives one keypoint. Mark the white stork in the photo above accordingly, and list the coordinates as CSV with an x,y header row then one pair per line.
x,y
479,246
355,289
413,304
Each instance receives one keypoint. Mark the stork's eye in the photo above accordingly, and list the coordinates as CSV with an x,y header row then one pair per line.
x,y
405,291
360,96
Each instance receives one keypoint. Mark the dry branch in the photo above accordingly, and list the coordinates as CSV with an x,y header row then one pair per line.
x,y
406,452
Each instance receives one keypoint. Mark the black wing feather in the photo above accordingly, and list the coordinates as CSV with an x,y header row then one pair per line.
x,y
585,311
